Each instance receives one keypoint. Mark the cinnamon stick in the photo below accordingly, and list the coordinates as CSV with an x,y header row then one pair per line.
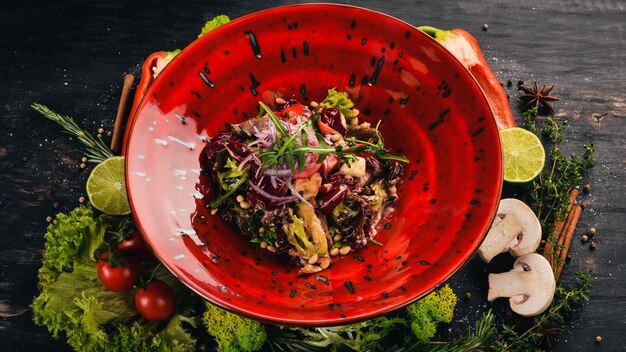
x,y
121,112
559,225
569,234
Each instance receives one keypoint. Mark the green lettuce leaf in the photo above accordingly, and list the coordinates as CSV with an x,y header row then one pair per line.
x,y
70,236
73,302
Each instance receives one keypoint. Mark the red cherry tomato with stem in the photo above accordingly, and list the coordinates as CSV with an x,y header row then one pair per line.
x,y
118,278
136,245
156,301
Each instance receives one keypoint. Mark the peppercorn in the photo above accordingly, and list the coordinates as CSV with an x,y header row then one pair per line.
x,y
593,245
468,295
592,231
109,133
55,204
48,218
83,159
598,338
587,188
81,199
83,165
100,130
485,27
568,258
585,238
99,135
543,242
509,83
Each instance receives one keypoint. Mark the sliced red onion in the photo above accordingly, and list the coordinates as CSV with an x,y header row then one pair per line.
x,y
280,200
279,173
244,161
297,194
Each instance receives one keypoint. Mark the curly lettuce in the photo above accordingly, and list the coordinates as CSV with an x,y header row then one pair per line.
x,y
424,315
214,23
70,236
339,100
74,303
232,332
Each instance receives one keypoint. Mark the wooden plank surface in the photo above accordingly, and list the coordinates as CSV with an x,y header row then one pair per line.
x,y
71,56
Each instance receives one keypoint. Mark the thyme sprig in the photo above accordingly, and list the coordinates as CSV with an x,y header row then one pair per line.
x,y
528,334
549,192
97,151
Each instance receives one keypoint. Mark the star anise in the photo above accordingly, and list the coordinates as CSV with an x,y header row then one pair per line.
x,y
536,97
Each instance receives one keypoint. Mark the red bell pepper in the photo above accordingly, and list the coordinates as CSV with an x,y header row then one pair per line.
x,y
151,68
465,48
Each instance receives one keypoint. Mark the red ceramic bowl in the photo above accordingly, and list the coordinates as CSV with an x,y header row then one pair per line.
x,y
433,112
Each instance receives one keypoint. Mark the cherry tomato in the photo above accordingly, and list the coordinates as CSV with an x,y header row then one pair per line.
x,y
119,278
292,112
311,167
135,245
156,302
326,129
328,165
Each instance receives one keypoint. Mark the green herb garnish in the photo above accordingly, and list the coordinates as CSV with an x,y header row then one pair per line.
x,y
549,192
97,151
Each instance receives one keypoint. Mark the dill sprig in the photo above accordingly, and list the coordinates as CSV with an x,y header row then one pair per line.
x,y
97,151
529,334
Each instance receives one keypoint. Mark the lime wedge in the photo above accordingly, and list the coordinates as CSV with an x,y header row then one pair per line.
x,y
524,155
106,188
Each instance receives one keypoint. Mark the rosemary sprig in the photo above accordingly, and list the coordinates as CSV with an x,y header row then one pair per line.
x,y
97,151
291,340
473,341
527,335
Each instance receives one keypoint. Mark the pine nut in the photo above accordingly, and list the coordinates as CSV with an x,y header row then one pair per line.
x,y
345,250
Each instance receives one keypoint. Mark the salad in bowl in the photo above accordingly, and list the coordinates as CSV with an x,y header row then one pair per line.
x,y
307,181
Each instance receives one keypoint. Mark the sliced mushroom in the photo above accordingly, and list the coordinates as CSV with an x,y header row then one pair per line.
x,y
530,285
515,229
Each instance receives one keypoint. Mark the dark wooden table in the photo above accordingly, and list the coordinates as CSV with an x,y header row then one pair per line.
x,y
71,56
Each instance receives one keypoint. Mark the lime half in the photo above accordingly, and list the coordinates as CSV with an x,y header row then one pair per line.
x,y
524,155
106,188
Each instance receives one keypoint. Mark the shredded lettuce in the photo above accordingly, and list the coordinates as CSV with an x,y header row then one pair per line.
x,y
214,23
339,100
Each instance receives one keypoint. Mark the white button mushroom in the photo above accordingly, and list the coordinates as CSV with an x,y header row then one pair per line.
x,y
530,285
515,229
